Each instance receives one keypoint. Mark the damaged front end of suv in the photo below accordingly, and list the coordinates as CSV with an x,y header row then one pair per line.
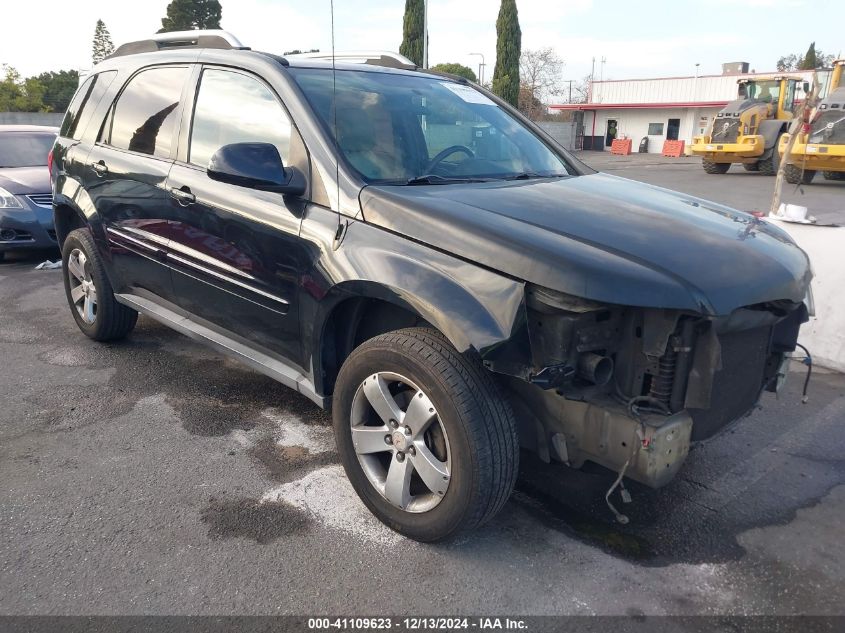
x,y
631,388
650,320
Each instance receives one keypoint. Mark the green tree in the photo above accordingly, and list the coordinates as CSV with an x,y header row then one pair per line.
x,y
812,59
413,25
809,62
508,49
456,69
17,95
59,88
187,15
102,46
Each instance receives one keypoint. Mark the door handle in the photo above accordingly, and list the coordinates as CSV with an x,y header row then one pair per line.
x,y
183,196
100,168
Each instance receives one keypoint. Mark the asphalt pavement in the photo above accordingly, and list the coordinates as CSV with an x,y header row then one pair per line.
x,y
154,476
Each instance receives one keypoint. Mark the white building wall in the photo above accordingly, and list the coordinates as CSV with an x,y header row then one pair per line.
x,y
671,90
633,123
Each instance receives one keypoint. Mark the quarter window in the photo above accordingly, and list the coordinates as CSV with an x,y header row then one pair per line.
x,y
145,117
77,119
235,108
75,107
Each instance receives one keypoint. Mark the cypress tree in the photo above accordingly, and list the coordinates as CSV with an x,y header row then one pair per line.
x,y
508,50
809,62
102,46
412,31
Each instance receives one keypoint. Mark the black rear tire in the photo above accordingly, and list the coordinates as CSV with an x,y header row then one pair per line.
x,y
112,320
834,175
715,168
769,166
477,419
751,166
796,176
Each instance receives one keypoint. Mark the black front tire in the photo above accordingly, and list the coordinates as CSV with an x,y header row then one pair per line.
x,y
751,166
715,168
112,320
478,421
796,176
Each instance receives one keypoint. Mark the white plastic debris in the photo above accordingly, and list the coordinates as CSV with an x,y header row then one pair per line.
x,y
48,265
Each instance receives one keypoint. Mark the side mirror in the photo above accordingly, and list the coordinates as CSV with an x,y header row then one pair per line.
x,y
807,87
256,166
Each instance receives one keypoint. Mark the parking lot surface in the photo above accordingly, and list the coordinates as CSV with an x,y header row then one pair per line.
x,y
154,476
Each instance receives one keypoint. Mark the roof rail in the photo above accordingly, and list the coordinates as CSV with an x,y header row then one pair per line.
x,y
211,38
371,58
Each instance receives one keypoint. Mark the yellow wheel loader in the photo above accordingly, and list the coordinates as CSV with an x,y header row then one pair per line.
x,y
820,145
748,130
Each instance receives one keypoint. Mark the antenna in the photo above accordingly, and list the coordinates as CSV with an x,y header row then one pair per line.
x,y
340,225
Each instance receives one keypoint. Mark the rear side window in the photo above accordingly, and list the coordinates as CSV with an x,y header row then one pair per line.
x,y
86,100
75,107
144,118
83,104
236,108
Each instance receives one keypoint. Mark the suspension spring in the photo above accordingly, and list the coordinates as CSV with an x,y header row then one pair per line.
x,y
661,384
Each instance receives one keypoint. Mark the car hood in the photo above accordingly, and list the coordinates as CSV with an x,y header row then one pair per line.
x,y
603,238
23,180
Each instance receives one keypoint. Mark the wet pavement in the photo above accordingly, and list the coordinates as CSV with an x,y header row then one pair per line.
x,y
155,476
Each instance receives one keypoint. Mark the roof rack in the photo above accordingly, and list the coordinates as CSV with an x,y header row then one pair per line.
x,y
211,38
371,58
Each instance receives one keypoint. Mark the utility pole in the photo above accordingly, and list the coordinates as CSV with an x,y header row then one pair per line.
x,y
480,68
425,33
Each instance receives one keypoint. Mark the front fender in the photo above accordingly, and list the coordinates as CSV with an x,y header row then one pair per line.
x,y
770,131
475,308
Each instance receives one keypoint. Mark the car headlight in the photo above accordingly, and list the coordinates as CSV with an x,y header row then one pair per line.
x,y
8,201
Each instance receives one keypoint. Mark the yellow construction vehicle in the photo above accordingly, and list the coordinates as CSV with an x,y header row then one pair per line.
x,y
748,130
820,145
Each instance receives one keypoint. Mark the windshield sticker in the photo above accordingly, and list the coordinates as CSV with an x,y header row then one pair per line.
x,y
467,93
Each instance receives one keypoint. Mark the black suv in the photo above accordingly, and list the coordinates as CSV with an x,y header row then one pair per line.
x,y
408,249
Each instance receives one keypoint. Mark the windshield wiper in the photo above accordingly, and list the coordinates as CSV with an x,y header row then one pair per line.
x,y
531,174
434,179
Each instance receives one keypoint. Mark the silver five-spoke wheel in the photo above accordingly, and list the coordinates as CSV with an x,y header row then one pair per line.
x,y
83,292
400,442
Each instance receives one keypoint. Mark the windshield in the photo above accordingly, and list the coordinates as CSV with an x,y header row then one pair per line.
x,y
765,91
25,149
398,128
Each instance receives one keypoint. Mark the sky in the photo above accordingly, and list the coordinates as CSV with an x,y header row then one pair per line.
x,y
645,38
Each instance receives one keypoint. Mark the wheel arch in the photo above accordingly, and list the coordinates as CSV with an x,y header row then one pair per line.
x,y
72,208
66,218
356,311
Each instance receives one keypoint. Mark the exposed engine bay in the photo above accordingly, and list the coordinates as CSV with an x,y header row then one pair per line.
x,y
632,388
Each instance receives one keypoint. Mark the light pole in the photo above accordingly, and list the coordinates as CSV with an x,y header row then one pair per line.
x,y
480,68
425,33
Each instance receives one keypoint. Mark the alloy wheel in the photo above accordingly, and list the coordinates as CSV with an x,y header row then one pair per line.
x,y
400,442
83,292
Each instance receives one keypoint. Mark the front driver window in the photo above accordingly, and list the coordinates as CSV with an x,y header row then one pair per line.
x,y
235,108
